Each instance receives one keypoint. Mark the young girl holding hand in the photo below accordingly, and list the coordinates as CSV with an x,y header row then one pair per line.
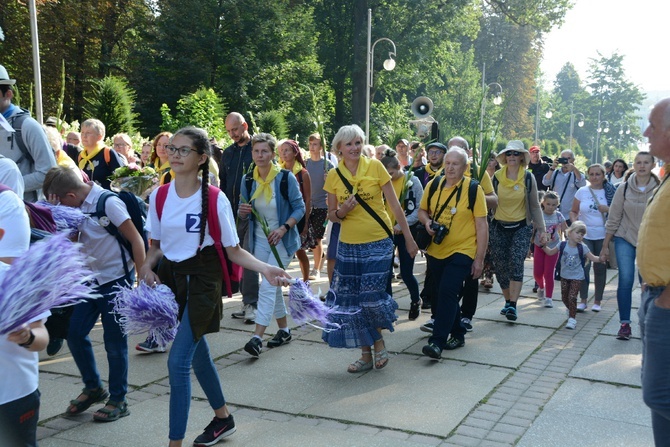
x,y
543,264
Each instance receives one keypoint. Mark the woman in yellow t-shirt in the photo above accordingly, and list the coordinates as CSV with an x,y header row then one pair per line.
x,y
361,286
460,237
517,213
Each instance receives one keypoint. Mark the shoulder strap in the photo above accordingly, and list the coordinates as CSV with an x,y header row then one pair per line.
x,y
107,154
472,194
17,124
625,188
364,204
248,182
565,188
580,250
283,183
433,187
495,182
161,196
215,232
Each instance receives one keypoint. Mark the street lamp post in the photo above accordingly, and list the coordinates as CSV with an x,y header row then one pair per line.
x,y
603,126
580,123
389,64
623,131
497,101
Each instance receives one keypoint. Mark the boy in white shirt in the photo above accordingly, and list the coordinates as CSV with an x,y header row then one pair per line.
x,y
108,259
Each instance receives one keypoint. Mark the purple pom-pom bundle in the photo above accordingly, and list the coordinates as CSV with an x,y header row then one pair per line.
x,y
148,309
67,218
52,273
305,307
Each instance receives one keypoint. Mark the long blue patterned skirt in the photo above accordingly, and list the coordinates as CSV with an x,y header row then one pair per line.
x,y
360,290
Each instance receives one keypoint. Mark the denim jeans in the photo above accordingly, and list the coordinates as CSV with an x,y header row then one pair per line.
x,y
407,267
84,317
625,258
186,352
655,331
451,272
270,300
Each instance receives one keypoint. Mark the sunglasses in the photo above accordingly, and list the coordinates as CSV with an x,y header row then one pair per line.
x,y
515,153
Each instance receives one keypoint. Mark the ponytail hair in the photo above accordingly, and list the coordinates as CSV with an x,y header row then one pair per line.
x,y
201,144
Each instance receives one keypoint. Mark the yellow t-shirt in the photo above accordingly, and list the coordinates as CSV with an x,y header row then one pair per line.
x,y
462,237
653,244
511,199
397,188
359,227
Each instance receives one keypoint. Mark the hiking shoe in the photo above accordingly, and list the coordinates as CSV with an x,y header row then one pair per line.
x,y
624,332
432,350
467,324
428,326
540,294
216,431
503,311
279,339
595,308
55,345
149,346
548,302
254,346
571,324
581,307
414,310
454,343
314,275
510,314
250,314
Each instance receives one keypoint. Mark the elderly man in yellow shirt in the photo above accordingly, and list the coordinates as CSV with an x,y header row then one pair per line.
x,y
654,264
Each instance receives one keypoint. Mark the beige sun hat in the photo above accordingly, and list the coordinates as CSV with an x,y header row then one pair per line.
x,y
4,77
514,145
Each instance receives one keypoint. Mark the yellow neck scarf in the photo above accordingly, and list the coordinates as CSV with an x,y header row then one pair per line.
x,y
264,185
431,172
297,167
86,158
361,171
164,167
508,182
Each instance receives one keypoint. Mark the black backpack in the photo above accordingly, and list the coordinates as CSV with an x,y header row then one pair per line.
x,y
137,210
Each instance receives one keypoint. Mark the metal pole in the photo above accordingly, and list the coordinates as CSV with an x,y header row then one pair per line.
x,y
481,118
572,122
368,80
537,117
36,61
598,130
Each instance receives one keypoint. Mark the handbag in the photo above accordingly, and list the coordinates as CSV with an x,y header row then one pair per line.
x,y
422,238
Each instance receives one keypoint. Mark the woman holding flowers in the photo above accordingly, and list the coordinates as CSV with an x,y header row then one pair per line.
x,y
273,233
291,159
190,266
361,286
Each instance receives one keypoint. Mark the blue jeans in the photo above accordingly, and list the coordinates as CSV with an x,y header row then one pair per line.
x,y
625,258
186,352
407,267
84,317
655,330
451,272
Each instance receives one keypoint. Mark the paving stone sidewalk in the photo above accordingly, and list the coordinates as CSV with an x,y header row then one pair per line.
x,y
529,383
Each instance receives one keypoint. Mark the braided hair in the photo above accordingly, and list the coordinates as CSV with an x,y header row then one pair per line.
x,y
201,144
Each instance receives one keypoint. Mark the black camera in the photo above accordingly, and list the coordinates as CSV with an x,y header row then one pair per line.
x,y
563,160
441,232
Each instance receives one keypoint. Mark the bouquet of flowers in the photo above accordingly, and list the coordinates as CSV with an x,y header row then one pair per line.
x,y
135,179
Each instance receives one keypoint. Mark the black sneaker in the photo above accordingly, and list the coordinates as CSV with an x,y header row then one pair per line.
x,y
414,310
428,326
254,346
467,324
454,343
216,431
425,304
432,350
279,339
55,345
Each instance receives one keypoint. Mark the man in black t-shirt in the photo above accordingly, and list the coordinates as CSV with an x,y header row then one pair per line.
x,y
539,166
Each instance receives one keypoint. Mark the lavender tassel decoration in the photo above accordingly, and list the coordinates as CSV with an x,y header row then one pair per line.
x,y
67,218
52,273
304,307
148,309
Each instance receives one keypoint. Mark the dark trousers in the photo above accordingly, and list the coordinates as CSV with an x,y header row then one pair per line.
x,y
18,421
407,268
469,295
449,274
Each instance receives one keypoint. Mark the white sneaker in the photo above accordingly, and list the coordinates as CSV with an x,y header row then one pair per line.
x,y
540,294
548,302
240,313
595,308
249,314
396,262
571,324
581,307
314,275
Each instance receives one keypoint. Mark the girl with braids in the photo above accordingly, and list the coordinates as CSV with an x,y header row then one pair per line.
x,y
190,266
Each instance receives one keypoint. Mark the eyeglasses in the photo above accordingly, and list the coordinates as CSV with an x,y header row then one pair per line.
x,y
515,153
121,145
183,151
435,152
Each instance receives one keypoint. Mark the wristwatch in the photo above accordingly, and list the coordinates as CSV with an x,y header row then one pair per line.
x,y
287,226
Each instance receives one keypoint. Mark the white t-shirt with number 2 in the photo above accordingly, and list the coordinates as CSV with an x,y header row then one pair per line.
x,y
179,226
